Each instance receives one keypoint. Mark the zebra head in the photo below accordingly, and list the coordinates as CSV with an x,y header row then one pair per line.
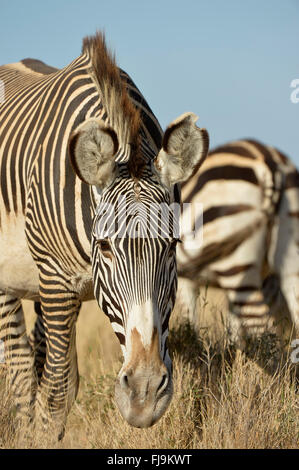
x,y
134,240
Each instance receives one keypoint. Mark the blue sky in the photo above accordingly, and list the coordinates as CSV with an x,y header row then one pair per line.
x,y
229,61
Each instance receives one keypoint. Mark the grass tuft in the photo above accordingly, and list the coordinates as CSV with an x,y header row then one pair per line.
x,y
222,399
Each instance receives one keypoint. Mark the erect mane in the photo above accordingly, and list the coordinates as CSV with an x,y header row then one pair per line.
x,y
124,117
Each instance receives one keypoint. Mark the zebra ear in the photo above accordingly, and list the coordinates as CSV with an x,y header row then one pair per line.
x,y
184,148
92,147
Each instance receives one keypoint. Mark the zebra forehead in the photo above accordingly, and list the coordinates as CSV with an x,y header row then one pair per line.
x,y
136,219
145,189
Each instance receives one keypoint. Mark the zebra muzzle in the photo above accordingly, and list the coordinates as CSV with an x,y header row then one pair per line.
x,y
143,394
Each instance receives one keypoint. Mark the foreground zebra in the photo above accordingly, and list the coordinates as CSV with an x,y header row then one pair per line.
x,y
250,244
53,224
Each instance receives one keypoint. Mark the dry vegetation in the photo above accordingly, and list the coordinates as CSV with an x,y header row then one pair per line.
x,y
221,400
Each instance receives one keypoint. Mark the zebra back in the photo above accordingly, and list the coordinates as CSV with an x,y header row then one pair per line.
x,y
239,187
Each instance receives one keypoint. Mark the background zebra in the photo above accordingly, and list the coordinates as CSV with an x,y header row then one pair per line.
x,y
250,235
93,113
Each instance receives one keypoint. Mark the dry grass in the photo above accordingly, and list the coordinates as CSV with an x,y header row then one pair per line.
x,y
220,401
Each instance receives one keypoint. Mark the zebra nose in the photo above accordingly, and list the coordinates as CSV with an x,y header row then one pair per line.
x,y
143,386
143,395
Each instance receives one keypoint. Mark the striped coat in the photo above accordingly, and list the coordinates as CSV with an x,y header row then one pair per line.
x,y
249,240
69,140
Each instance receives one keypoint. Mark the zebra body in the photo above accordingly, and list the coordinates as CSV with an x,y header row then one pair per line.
x,y
26,147
71,141
250,234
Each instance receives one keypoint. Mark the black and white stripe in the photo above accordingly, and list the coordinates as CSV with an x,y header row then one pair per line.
x,y
250,198
42,107
145,241
49,220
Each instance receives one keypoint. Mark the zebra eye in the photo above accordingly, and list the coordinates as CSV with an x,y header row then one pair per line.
x,y
105,247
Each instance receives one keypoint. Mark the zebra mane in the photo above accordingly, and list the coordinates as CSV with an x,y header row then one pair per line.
x,y
124,117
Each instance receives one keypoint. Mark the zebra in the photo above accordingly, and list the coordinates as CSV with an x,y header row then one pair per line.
x,y
80,149
249,227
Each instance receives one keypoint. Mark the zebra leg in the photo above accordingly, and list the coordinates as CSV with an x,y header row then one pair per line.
x,y
278,306
240,275
248,314
59,381
187,300
18,357
37,342
290,290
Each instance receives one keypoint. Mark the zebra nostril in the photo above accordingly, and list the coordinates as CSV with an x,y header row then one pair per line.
x,y
163,383
125,380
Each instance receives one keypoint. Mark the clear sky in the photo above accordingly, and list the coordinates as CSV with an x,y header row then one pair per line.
x,y
229,61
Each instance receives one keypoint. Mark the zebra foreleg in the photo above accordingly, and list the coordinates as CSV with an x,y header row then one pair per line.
x,y
16,355
248,315
59,381
290,289
187,300
37,342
